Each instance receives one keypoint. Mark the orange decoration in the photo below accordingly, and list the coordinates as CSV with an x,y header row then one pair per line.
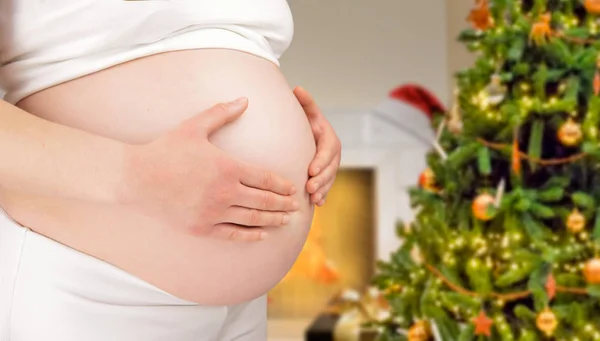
x,y
480,16
427,180
483,324
541,30
569,133
547,322
482,206
516,157
551,287
592,6
419,331
591,271
576,221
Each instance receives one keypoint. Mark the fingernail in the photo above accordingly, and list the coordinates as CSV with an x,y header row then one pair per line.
x,y
322,202
295,205
293,190
262,235
316,186
286,219
320,197
317,170
238,103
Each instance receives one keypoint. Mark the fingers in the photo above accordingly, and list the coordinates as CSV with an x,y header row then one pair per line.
x,y
319,186
319,197
261,179
220,114
307,102
255,218
233,232
265,201
316,183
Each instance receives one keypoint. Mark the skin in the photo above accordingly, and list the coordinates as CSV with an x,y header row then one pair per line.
x,y
190,170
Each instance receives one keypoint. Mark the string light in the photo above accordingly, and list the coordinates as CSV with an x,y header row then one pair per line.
x,y
584,235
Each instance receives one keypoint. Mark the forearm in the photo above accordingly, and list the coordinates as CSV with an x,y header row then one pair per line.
x,y
45,158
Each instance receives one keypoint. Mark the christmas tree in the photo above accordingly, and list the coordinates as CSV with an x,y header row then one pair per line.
x,y
506,236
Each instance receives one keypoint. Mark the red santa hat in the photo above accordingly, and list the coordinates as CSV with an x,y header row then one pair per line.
x,y
419,98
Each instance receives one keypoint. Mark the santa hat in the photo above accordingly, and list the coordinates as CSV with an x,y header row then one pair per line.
x,y
419,98
410,108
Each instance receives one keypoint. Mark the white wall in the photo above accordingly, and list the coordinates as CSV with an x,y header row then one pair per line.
x,y
350,53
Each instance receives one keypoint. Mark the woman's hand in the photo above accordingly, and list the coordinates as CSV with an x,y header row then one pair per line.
x,y
184,179
323,168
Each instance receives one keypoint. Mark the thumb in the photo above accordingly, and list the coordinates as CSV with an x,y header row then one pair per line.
x,y
221,114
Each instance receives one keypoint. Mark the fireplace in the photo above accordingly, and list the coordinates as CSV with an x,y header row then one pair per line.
x,y
382,156
339,252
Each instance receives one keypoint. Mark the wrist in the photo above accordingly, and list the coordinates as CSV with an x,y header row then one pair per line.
x,y
124,193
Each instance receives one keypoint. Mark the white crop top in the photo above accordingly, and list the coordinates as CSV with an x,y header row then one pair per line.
x,y
47,42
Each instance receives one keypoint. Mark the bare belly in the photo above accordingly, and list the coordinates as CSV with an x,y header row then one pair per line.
x,y
136,102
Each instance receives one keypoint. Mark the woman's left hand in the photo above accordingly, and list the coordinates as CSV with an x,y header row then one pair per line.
x,y
322,170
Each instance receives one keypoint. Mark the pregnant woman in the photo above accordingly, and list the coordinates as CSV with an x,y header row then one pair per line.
x,y
136,208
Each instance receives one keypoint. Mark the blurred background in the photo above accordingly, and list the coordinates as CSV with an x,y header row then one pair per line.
x,y
353,56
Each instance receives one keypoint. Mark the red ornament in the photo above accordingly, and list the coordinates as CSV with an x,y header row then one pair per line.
x,y
483,324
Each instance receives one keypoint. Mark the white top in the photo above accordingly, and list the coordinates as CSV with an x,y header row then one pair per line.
x,y
47,42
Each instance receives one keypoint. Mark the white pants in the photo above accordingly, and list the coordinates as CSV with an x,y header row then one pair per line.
x,y
50,292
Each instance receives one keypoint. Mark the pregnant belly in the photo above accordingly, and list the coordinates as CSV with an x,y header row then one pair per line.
x,y
136,102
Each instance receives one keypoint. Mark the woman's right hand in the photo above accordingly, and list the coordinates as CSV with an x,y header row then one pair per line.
x,y
188,182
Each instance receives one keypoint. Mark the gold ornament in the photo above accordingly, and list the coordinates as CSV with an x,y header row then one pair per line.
x,y
547,322
427,180
569,133
541,30
419,331
495,90
592,6
483,207
591,271
575,221
455,123
392,289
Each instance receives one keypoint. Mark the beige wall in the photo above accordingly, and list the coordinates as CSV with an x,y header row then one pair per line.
x,y
350,53
458,56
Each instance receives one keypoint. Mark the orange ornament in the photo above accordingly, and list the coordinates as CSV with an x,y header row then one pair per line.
x,y
480,16
427,180
550,287
483,324
483,207
575,221
592,6
419,331
569,133
591,271
541,30
516,157
547,322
